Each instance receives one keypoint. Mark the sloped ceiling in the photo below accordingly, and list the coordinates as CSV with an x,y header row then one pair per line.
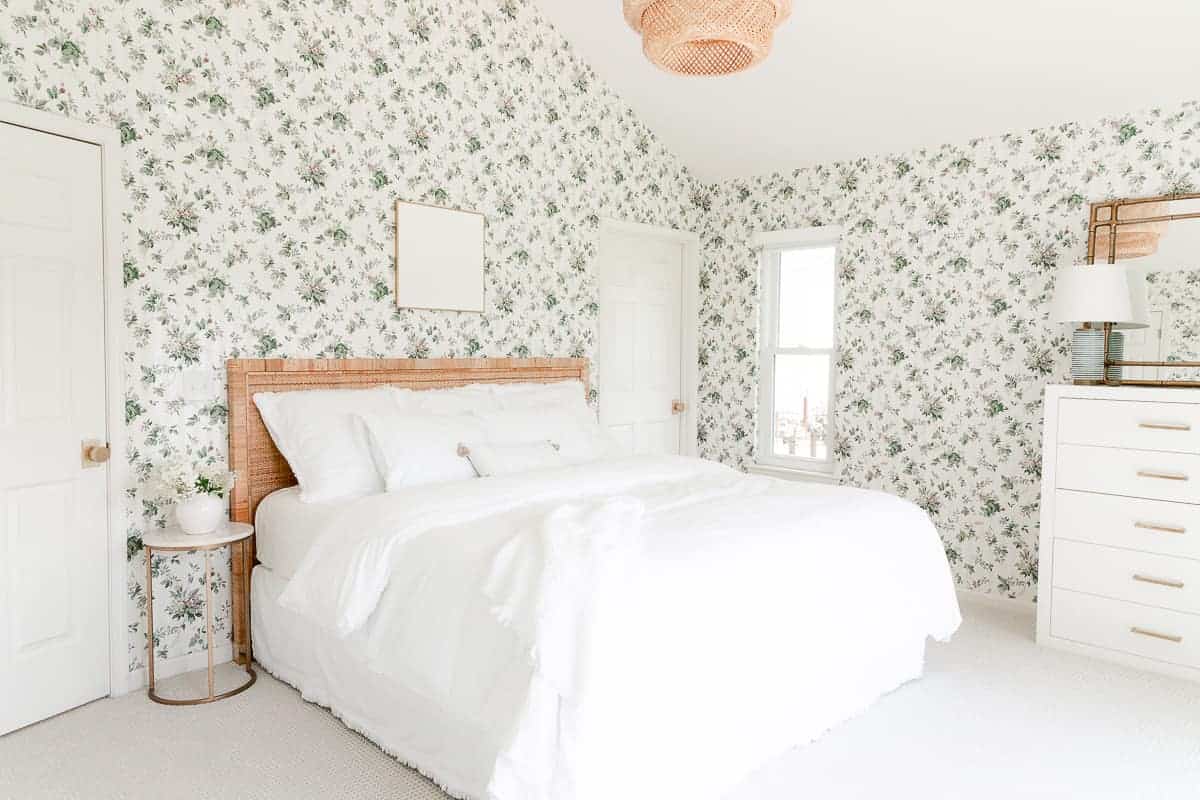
x,y
863,77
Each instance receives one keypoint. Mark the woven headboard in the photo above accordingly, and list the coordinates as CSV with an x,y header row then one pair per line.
x,y
260,467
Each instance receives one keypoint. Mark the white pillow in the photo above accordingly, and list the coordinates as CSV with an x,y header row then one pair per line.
x,y
452,400
321,436
531,395
566,396
417,449
510,459
576,442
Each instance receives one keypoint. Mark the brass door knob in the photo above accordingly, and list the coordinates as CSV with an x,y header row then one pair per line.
x,y
95,453
678,406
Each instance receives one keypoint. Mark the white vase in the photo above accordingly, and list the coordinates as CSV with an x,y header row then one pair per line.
x,y
200,513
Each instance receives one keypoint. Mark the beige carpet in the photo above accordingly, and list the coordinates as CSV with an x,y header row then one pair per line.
x,y
995,717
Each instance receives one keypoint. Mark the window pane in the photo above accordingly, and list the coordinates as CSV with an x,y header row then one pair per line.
x,y
801,425
806,297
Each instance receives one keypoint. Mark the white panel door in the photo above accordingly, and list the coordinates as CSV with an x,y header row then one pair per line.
x,y
641,341
53,509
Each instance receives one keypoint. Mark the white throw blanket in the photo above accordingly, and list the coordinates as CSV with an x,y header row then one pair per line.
x,y
542,583
664,613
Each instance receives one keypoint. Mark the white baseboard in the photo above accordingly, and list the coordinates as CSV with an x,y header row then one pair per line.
x,y
999,602
169,667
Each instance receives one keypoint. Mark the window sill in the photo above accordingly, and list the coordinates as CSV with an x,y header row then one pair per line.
x,y
792,473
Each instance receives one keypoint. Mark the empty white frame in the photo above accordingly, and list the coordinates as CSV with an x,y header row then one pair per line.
x,y
439,258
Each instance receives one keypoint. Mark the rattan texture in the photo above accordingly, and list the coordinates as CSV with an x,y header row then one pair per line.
x,y
1134,240
706,37
262,469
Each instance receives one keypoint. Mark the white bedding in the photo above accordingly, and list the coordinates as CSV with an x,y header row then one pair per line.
x,y
285,528
333,672
645,627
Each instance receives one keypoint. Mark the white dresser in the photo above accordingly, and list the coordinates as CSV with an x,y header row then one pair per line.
x,y
1119,549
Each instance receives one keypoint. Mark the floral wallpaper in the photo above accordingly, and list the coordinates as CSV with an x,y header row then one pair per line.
x,y
1175,297
264,146
945,273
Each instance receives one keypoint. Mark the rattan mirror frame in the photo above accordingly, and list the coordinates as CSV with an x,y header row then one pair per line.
x,y
1106,216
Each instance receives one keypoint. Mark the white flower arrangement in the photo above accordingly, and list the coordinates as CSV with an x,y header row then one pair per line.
x,y
178,480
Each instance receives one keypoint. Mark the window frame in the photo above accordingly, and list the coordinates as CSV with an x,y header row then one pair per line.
x,y
772,245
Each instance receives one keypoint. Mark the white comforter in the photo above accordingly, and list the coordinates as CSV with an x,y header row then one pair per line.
x,y
644,627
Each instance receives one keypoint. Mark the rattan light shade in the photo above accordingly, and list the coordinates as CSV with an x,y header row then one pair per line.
x,y
706,37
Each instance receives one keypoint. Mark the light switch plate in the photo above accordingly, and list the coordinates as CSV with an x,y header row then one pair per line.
x,y
197,386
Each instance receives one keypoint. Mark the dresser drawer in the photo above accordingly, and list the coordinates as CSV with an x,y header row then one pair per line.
x,y
1133,473
1156,633
1146,578
1155,526
1173,427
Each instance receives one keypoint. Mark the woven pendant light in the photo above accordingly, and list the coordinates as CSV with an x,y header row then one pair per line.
x,y
706,37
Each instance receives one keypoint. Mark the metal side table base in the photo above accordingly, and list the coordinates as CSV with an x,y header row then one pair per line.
x,y
232,533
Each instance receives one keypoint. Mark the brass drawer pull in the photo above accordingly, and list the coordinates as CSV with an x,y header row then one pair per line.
x,y
1149,526
1165,426
1159,581
1166,476
1166,637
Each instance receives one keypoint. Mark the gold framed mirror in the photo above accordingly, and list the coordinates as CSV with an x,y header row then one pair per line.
x,y
1158,239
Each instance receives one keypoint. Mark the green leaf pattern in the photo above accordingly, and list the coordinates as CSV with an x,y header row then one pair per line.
x,y
265,143
946,271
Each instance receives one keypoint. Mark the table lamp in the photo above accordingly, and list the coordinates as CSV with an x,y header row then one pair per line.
x,y
1104,299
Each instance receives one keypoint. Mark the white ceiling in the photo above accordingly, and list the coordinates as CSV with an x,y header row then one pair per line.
x,y
851,78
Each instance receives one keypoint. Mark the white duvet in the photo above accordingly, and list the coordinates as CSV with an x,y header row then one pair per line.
x,y
647,627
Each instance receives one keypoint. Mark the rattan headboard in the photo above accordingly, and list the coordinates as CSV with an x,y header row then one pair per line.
x,y
261,469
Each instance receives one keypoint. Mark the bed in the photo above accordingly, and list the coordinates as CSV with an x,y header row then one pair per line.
x,y
628,627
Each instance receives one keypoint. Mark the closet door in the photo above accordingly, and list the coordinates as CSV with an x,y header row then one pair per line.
x,y
641,341
53,496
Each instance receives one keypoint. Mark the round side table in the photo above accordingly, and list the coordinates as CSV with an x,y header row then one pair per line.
x,y
174,540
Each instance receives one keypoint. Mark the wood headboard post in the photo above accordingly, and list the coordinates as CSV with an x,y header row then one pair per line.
x,y
261,469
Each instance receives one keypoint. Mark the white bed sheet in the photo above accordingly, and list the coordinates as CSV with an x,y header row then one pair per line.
x,y
739,616
333,672
285,528
458,753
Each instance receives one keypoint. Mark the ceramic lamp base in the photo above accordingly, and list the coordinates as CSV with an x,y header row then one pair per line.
x,y
1087,355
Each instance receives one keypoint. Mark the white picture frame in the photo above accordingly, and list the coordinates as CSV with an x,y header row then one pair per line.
x,y
439,258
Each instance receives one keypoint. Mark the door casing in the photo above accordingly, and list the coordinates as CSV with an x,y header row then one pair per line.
x,y
689,317
109,142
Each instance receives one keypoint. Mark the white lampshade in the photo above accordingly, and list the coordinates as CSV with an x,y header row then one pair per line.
x,y
1101,293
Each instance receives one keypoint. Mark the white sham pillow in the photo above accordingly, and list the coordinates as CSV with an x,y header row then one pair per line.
x,y
419,449
576,442
321,435
475,397
490,460
568,394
